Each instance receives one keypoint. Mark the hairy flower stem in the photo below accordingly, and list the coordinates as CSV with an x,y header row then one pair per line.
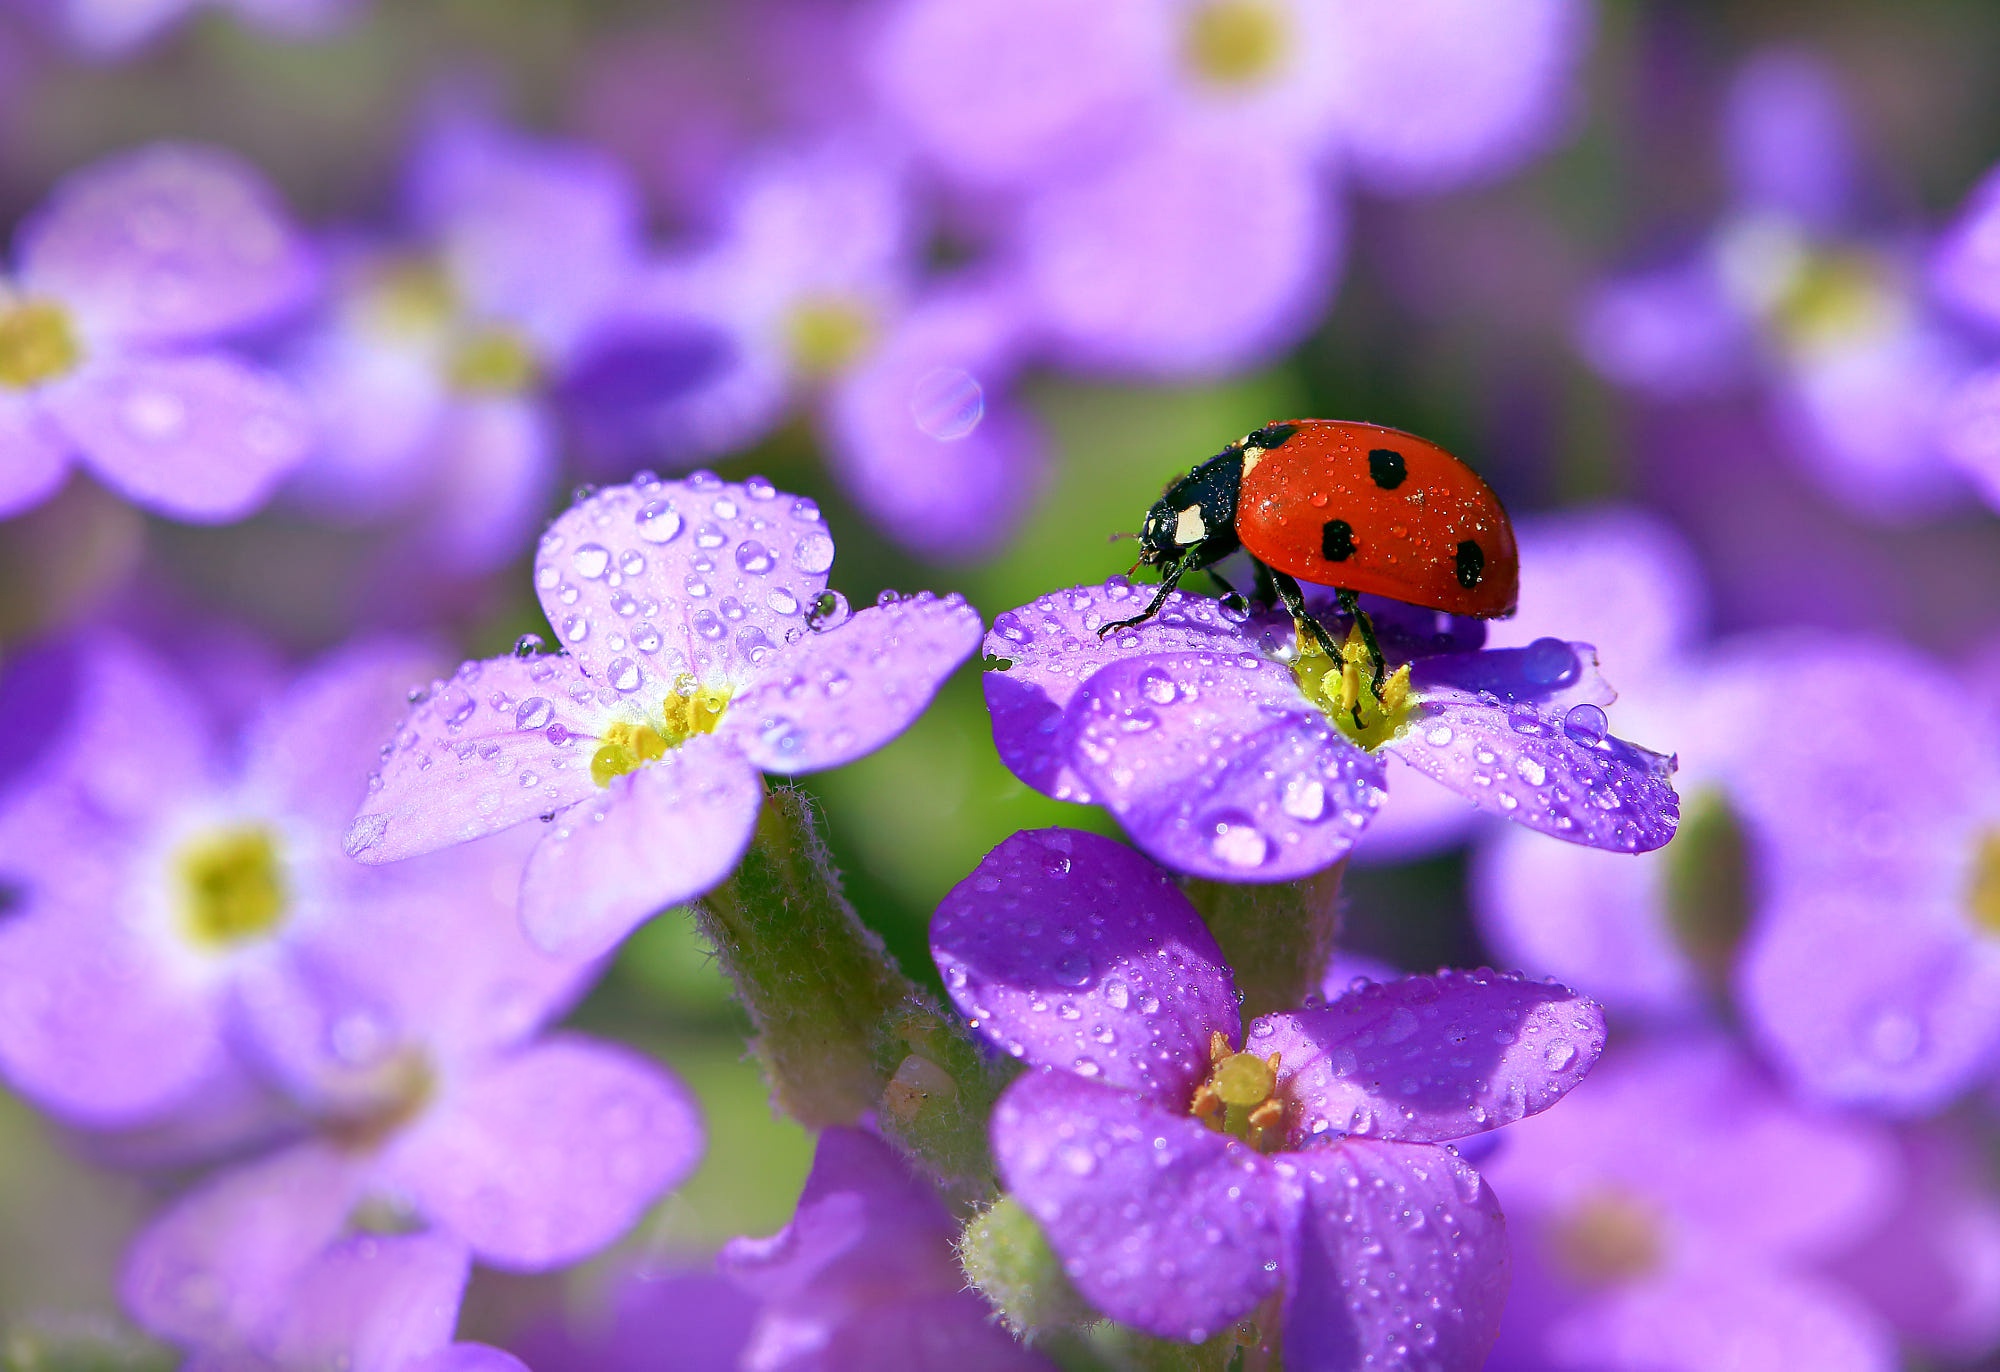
x,y
1278,938
840,1031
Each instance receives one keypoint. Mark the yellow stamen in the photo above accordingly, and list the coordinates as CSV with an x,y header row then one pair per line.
x,y
409,298
1609,1237
1238,1096
37,344
628,745
1340,687
1236,42
232,887
493,361
827,334
1984,901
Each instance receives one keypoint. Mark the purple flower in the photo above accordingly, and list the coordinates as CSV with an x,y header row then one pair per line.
x,y
1790,293
115,28
1224,752
1670,1217
168,874
1189,1173
701,1315
699,654
864,1276
126,285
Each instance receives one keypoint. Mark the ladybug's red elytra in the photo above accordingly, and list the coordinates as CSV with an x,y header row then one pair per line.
x,y
1340,503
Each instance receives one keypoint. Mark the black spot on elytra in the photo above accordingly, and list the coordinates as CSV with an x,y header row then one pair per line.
x,y
1271,436
1471,564
1387,467
1336,540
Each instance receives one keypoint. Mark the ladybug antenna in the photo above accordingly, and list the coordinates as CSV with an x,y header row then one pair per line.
x,y
1120,537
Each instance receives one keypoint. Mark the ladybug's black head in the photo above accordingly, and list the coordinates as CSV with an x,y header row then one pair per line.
x,y
1196,518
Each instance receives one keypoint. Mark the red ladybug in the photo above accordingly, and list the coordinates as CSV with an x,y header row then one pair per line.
x,y
1355,506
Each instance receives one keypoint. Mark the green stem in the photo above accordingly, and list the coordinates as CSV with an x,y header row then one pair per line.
x,y
1278,938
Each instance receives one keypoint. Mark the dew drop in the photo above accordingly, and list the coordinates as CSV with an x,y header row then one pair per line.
x,y
591,560
533,713
659,522
754,557
814,553
1587,725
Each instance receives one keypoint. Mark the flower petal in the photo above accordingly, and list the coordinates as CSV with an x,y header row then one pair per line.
x,y
658,836
1218,766
1536,767
1425,1059
1161,1222
1790,139
202,438
1051,648
835,696
467,1357
167,243
548,1156
1673,332
1547,672
34,458
221,1260
372,1303
700,578
1401,1260
497,459
1071,951
503,741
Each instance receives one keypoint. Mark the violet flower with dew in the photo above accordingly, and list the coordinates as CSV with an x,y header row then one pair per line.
x,y
699,653
1191,1174
1226,753
864,1277
1671,1217
126,287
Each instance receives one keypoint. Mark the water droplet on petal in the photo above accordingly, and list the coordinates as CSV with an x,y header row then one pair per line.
x,y
754,557
814,553
659,522
1548,661
591,560
1587,725
533,713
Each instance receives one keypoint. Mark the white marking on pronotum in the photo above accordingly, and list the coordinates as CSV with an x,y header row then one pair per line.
x,y
1189,529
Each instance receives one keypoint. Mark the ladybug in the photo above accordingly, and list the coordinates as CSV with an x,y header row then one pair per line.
x,y
1358,507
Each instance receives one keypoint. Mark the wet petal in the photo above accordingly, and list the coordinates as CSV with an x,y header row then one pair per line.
x,y
1548,672
840,694
1161,1222
1552,770
373,1303
548,1156
201,438
501,742
220,1261
1072,951
34,458
1051,648
1401,1260
1426,1059
649,583
663,834
167,243
1218,767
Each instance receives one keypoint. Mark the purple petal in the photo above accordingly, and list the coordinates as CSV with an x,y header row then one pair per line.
x,y
1543,769
221,1260
653,838
700,1315
1218,766
93,1024
502,742
1072,951
497,461
1673,332
1426,1059
1160,1221
1401,1260
700,578
373,1303
1969,431
838,695
548,1156
1889,1003
1419,819
1965,267
201,438
469,1357
1147,265
1546,672
167,243
1051,648
1436,93
34,459
1789,140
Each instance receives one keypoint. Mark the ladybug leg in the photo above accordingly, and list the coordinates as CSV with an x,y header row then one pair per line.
x,y
1295,603
1350,605
1267,589
1168,580
1229,592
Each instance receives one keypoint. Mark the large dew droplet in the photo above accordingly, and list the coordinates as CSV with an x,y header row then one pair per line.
x,y
659,522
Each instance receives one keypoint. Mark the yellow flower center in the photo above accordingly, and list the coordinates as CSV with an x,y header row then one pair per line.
x,y
826,334
232,887
1340,687
1984,899
493,361
629,745
1237,1097
409,298
1834,298
37,344
1708,884
1235,42
1609,1237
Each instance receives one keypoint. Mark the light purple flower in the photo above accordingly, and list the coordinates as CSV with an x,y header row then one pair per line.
x,y
167,873
126,285
696,658
108,29
1186,1183
864,1276
1792,294
1670,1217
698,1313
1194,730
